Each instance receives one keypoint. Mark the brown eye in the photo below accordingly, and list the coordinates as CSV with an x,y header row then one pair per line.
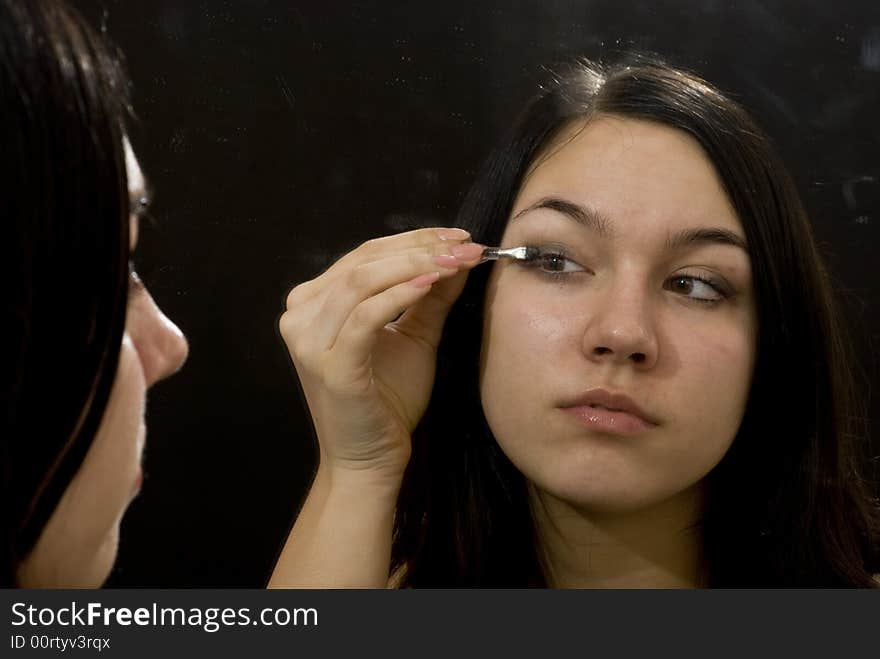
x,y
139,205
553,262
682,285
698,289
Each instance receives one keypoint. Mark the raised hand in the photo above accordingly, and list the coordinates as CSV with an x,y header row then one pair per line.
x,y
363,337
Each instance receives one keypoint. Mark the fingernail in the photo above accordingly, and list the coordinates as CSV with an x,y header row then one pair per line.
x,y
446,261
453,234
467,251
424,280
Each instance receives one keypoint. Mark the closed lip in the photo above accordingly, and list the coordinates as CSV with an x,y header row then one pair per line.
x,y
614,401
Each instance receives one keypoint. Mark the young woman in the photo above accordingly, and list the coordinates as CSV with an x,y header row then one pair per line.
x,y
86,339
661,395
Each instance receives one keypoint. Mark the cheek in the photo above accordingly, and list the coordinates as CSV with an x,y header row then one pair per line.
x,y
78,545
528,331
716,363
112,462
528,325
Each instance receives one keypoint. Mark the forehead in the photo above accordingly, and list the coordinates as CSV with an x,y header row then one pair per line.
x,y
631,169
136,183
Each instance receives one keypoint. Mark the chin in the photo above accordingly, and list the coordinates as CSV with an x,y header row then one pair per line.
x,y
609,488
595,501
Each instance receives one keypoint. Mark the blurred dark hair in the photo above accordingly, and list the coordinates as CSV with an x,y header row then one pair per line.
x,y
65,248
787,505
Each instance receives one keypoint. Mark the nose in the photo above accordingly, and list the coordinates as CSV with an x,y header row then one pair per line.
x,y
620,328
161,346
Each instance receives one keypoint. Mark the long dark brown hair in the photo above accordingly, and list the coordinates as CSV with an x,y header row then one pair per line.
x,y
787,506
64,210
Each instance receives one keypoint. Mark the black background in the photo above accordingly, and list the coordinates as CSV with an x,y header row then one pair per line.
x,y
509,623
278,134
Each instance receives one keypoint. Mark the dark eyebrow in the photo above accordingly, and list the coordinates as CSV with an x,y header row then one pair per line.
x,y
705,236
595,221
588,217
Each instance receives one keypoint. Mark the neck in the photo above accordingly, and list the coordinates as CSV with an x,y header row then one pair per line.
x,y
655,547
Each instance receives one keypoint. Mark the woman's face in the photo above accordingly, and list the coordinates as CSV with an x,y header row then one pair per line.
x,y
78,545
640,217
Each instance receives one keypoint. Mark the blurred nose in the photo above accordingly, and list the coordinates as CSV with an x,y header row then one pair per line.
x,y
161,346
620,329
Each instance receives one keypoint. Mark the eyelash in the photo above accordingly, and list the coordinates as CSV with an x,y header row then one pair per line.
x,y
544,254
719,287
547,252
140,206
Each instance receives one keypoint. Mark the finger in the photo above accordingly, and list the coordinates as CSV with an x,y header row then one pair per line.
x,y
424,320
369,279
416,238
306,302
359,334
373,250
